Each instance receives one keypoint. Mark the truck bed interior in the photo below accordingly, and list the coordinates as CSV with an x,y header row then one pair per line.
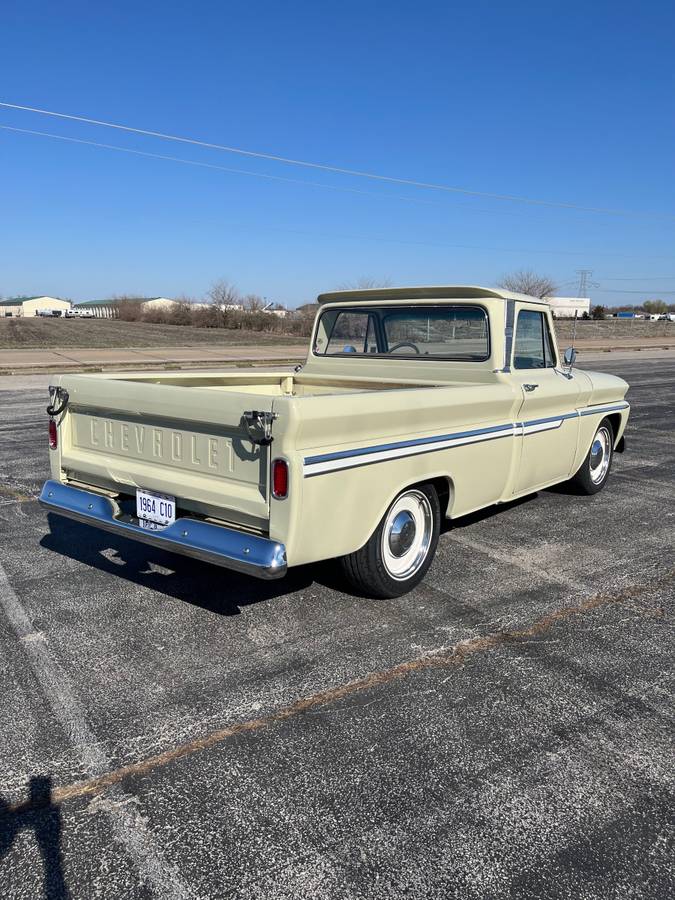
x,y
277,384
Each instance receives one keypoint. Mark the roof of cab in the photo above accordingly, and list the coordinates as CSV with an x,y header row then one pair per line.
x,y
431,292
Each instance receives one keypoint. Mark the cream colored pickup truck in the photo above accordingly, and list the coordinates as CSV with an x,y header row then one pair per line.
x,y
414,405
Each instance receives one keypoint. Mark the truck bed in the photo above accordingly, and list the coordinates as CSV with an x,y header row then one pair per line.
x,y
186,435
275,384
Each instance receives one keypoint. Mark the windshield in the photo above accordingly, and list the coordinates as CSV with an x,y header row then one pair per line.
x,y
438,332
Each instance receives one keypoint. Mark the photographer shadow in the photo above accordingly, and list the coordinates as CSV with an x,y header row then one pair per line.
x,y
41,815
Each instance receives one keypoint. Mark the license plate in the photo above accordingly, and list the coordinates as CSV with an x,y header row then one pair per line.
x,y
155,509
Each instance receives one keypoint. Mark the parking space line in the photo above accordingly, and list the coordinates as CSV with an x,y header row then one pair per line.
x,y
127,824
442,657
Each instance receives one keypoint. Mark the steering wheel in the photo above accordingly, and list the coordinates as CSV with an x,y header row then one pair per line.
x,y
405,344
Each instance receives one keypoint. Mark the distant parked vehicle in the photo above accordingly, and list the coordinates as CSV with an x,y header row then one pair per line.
x,y
71,314
85,313
49,313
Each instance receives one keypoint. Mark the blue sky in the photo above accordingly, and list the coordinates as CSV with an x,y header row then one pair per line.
x,y
565,102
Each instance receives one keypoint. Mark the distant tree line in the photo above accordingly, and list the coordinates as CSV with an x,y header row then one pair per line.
x,y
223,307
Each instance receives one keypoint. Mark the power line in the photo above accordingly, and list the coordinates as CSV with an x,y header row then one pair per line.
x,y
248,173
640,278
335,169
205,165
360,237
442,245
652,291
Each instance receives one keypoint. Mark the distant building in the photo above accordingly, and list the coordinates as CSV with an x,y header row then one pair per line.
x,y
30,306
275,309
109,309
565,307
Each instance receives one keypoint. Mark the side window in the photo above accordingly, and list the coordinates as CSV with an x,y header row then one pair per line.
x,y
533,347
349,333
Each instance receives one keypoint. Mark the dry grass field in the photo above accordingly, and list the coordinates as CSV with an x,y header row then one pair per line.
x,y
91,334
36,333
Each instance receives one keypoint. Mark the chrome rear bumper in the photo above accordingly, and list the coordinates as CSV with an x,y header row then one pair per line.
x,y
248,553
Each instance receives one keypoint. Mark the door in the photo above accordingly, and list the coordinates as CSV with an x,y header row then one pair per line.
x,y
547,419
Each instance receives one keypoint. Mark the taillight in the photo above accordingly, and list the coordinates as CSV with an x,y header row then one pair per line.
x,y
53,435
279,479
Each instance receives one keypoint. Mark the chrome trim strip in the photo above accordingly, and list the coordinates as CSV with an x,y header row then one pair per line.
x,y
509,326
416,448
544,425
397,445
349,459
241,552
594,410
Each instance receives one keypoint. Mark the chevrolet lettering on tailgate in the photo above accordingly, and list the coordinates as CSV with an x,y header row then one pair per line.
x,y
170,446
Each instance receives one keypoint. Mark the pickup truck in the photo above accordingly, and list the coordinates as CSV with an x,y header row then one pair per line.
x,y
414,405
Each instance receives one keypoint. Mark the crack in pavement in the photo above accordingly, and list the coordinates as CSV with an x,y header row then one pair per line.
x,y
15,495
448,657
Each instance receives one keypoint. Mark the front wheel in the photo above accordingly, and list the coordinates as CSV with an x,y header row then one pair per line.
x,y
594,470
396,557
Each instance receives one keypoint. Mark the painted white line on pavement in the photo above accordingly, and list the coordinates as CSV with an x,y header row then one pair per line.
x,y
128,825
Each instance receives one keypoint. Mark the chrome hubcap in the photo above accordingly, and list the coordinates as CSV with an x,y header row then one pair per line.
x,y
402,533
406,535
601,452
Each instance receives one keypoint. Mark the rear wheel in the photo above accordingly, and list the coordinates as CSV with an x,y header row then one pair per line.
x,y
595,469
400,550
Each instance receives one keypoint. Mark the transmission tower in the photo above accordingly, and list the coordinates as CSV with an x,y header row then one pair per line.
x,y
585,282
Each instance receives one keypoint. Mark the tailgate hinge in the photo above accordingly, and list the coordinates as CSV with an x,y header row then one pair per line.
x,y
259,425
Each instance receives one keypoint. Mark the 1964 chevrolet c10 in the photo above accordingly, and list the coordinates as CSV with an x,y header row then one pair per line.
x,y
413,405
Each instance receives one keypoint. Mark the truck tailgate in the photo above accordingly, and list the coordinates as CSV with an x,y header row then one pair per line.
x,y
182,441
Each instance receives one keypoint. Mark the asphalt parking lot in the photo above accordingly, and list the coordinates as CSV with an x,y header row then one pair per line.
x,y
171,730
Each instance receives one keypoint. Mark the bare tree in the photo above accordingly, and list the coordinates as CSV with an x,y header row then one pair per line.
x,y
223,294
253,303
525,281
365,283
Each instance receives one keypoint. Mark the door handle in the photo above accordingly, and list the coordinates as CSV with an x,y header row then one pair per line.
x,y
530,387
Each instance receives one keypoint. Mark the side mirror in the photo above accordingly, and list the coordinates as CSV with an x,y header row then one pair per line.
x,y
569,356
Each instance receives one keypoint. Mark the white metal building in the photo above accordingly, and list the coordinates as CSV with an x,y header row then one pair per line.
x,y
109,309
565,307
29,306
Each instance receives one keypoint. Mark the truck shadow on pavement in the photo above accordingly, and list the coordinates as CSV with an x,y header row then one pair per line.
x,y
42,816
488,512
204,585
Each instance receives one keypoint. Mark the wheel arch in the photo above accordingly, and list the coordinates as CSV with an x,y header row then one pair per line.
x,y
443,485
615,421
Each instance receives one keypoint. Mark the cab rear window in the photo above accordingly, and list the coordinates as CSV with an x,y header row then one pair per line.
x,y
431,332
